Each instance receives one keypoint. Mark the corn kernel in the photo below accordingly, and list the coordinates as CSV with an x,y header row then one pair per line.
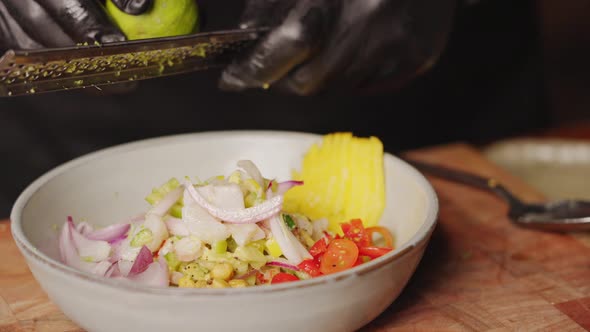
x,y
238,283
194,271
201,284
186,282
219,283
223,271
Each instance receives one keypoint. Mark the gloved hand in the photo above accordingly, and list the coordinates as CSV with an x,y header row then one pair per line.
x,y
339,43
30,24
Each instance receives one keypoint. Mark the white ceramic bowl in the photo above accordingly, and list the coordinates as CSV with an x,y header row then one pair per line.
x,y
109,186
559,168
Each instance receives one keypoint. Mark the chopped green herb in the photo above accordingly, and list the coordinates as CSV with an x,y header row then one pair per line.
x,y
289,221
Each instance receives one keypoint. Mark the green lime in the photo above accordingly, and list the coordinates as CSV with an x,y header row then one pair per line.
x,y
166,18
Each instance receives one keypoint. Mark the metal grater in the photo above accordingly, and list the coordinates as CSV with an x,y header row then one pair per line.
x,y
83,66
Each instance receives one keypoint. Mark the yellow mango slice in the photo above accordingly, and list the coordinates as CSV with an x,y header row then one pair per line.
x,y
343,179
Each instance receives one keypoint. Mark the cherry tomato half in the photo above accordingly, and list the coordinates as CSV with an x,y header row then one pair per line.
x,y
319,247
283,277
340,255
355,231
311,267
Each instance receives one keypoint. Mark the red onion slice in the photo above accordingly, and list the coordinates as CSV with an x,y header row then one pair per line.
x,y
176,226
84,228
87,249
286,243
142,261
162,207
138,219
113,271
247,274
252,170
69,251
117,249
124,266
156,225
155,275
67,247
245,233
282,187
283,265
102,268
111,234
253,214
303,252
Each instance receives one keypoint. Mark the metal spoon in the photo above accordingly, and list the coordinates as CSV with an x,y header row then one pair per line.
x,y
559,216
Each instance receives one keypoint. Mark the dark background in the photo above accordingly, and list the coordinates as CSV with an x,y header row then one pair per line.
x,y
510,67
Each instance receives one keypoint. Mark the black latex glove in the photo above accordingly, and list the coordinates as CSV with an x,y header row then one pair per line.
x,y
30,24
339,43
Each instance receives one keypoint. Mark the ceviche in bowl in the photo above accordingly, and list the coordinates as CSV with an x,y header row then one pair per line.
x,y
226,231
249,230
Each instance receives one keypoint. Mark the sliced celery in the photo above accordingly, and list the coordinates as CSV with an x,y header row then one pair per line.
x,y
144,237
153,198
176,210
231,244
220,247
158,193
172,261
251,255
170,185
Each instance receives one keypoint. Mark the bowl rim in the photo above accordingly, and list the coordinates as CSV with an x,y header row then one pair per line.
x,y
418,240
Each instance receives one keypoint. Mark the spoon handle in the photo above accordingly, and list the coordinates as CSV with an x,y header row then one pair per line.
x,y
467,178
564,216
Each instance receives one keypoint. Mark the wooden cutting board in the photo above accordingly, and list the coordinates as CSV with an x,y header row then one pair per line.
x,y
479,273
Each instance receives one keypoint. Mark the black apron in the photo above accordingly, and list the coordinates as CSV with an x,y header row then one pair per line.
x,y
486,85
